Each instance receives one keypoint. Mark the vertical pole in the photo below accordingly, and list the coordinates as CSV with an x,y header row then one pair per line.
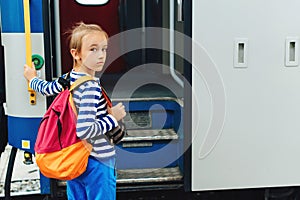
x,y
172,45
32,95
9,172
188,23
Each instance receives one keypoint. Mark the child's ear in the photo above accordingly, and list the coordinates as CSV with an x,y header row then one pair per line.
x,y
75,54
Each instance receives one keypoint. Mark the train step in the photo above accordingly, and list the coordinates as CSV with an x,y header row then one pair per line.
x,y
140,176
154,175
150,134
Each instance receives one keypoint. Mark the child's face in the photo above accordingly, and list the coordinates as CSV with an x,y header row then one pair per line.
x,y
93,52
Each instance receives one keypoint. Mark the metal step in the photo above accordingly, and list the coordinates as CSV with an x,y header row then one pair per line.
x,y
138,120
150,134
155,175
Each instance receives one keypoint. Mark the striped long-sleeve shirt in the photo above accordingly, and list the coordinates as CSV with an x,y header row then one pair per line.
x,y
46,87
93,120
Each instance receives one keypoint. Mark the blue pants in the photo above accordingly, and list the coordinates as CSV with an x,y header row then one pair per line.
x,y
98,182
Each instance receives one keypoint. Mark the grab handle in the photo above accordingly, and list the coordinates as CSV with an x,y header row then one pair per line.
x,y
32,95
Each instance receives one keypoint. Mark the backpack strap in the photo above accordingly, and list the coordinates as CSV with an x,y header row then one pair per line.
x,y
77,83
80,81
106,97
65,82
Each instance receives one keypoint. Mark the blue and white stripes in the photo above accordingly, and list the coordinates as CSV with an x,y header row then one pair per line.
x,y
45,87
93,119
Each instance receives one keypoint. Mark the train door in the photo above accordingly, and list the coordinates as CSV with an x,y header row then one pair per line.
x,y
137,73
246,77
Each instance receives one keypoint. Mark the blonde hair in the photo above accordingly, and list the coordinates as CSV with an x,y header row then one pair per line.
x,y
78,31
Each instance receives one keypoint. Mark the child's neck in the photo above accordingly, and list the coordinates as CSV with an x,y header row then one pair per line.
x,y
85,70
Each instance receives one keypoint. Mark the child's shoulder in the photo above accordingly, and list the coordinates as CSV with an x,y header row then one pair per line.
x,y
91,85
74,76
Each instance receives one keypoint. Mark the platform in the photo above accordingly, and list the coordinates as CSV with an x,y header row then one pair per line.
x,y
25,178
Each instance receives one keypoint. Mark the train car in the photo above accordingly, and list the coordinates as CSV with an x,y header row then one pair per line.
x,y
210,87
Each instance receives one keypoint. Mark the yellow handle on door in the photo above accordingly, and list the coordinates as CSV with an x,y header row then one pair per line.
x,y
32,94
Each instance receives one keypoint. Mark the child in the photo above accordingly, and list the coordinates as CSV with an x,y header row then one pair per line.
x,y
88,44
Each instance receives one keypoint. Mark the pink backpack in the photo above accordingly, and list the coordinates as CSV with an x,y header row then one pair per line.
x,y
60,154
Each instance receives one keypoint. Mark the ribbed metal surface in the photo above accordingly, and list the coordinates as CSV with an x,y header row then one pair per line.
x,y
150,134
138,120
131,176
155,175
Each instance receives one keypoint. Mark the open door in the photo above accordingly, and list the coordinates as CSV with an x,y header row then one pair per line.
x,y
245,84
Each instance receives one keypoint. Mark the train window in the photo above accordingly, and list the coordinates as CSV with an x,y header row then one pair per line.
x,y
92,2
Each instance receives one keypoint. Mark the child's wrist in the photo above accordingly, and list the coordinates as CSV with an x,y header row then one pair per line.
x,y
31,79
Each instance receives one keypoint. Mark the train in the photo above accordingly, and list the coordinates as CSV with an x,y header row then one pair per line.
x,y
211,88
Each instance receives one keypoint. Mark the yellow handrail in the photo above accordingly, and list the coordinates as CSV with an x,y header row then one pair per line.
x,y
32,95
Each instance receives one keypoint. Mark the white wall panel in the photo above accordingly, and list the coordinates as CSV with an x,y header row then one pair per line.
x,y
258,146
17,96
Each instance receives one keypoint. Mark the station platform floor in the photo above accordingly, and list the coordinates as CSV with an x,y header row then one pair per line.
x,y
25,178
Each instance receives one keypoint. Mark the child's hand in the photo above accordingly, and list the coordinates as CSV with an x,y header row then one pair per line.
x,y
29,72
118,111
